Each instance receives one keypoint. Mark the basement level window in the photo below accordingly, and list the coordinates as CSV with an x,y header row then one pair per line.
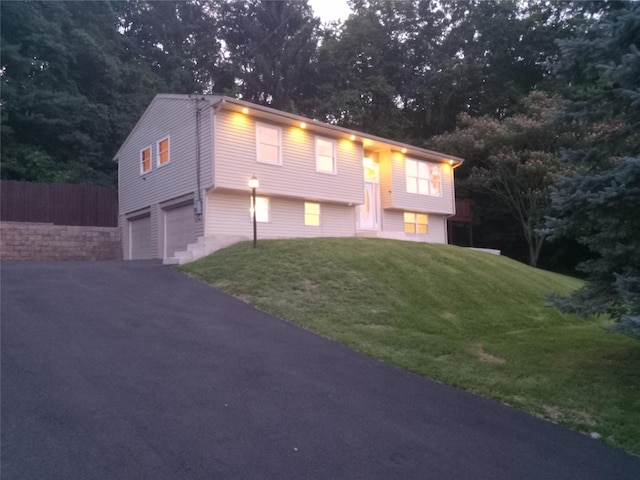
x,y
311,214
415,223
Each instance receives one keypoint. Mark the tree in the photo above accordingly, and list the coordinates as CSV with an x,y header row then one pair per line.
x,y
360,67
598,204
58,74
76,76
408,68
509,168
270,52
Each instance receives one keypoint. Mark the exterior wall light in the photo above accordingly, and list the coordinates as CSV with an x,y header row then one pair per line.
x,y
303,125
245,110
404,150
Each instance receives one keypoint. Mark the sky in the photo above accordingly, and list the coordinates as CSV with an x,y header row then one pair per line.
x,y
329,10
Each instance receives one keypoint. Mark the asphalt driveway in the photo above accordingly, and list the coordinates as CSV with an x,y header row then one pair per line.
x,y
131,370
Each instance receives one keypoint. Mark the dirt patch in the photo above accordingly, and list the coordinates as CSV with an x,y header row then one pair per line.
x,y
558,414
483,356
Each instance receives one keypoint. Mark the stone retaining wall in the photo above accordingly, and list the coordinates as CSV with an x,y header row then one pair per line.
x,y
45,241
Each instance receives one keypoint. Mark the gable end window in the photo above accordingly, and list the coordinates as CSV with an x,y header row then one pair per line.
x,y
145,160
416,223
268,144
312,214
325,155
423,178
163,152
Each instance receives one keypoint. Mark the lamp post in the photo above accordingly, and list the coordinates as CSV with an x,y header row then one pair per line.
x,y
253,184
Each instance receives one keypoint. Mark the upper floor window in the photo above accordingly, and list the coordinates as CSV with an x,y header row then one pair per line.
x,y
415,222
325,155
311,213
163,151
145,160
263,210
268,144
423,178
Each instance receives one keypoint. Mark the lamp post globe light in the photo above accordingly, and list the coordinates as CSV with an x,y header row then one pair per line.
x,y
253,184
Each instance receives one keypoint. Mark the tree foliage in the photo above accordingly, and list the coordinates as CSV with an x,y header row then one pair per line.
x,y
510,167
270,52
598,204
56,121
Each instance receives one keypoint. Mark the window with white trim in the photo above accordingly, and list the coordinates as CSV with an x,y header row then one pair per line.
x,y
311,214
263,210
145,160
268,144
163,152
423,178
325,155
416,223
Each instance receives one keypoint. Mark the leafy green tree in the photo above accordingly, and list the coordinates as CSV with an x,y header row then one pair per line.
x,y
598,204
58,75
409,68
270,50
509,170
178,40
360,67
76,76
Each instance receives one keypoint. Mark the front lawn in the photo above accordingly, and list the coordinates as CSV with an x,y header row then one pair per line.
x,y
466,318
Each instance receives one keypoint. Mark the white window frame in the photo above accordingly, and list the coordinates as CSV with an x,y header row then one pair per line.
x,y
415,223
308,213
141,164
333,170
259,142
263,215
168,139
420,182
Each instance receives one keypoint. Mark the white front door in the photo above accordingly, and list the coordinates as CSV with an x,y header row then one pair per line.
x,y
369,212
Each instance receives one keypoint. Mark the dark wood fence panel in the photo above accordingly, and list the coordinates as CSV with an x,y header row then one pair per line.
x,y
463,211
58,203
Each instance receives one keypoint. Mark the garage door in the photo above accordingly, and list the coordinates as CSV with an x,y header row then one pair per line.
x,y
179,224
140,238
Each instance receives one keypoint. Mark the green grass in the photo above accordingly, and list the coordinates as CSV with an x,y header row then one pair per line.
x,y
469,319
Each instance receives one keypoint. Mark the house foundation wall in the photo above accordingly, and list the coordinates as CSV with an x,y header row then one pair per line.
x,y
45,241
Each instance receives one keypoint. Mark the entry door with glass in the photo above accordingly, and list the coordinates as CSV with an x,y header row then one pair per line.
x,y
369,212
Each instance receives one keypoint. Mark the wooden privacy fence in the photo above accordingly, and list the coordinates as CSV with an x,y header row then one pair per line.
x,y
58,203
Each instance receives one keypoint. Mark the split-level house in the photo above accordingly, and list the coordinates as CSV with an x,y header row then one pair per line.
x,y
184,174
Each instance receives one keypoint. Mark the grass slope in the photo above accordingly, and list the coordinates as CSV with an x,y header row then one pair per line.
x,y
469,319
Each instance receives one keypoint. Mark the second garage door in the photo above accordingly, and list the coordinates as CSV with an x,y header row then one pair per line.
x,y
179,224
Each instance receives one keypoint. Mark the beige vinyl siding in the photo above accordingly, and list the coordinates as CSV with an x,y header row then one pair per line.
x,y
235,162
393,222
228,214
166,116
393,186
386,184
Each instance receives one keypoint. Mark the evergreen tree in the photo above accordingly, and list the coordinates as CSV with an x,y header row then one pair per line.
x,y
599,203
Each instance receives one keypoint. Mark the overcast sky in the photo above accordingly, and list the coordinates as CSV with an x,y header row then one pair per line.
x,y
329,10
